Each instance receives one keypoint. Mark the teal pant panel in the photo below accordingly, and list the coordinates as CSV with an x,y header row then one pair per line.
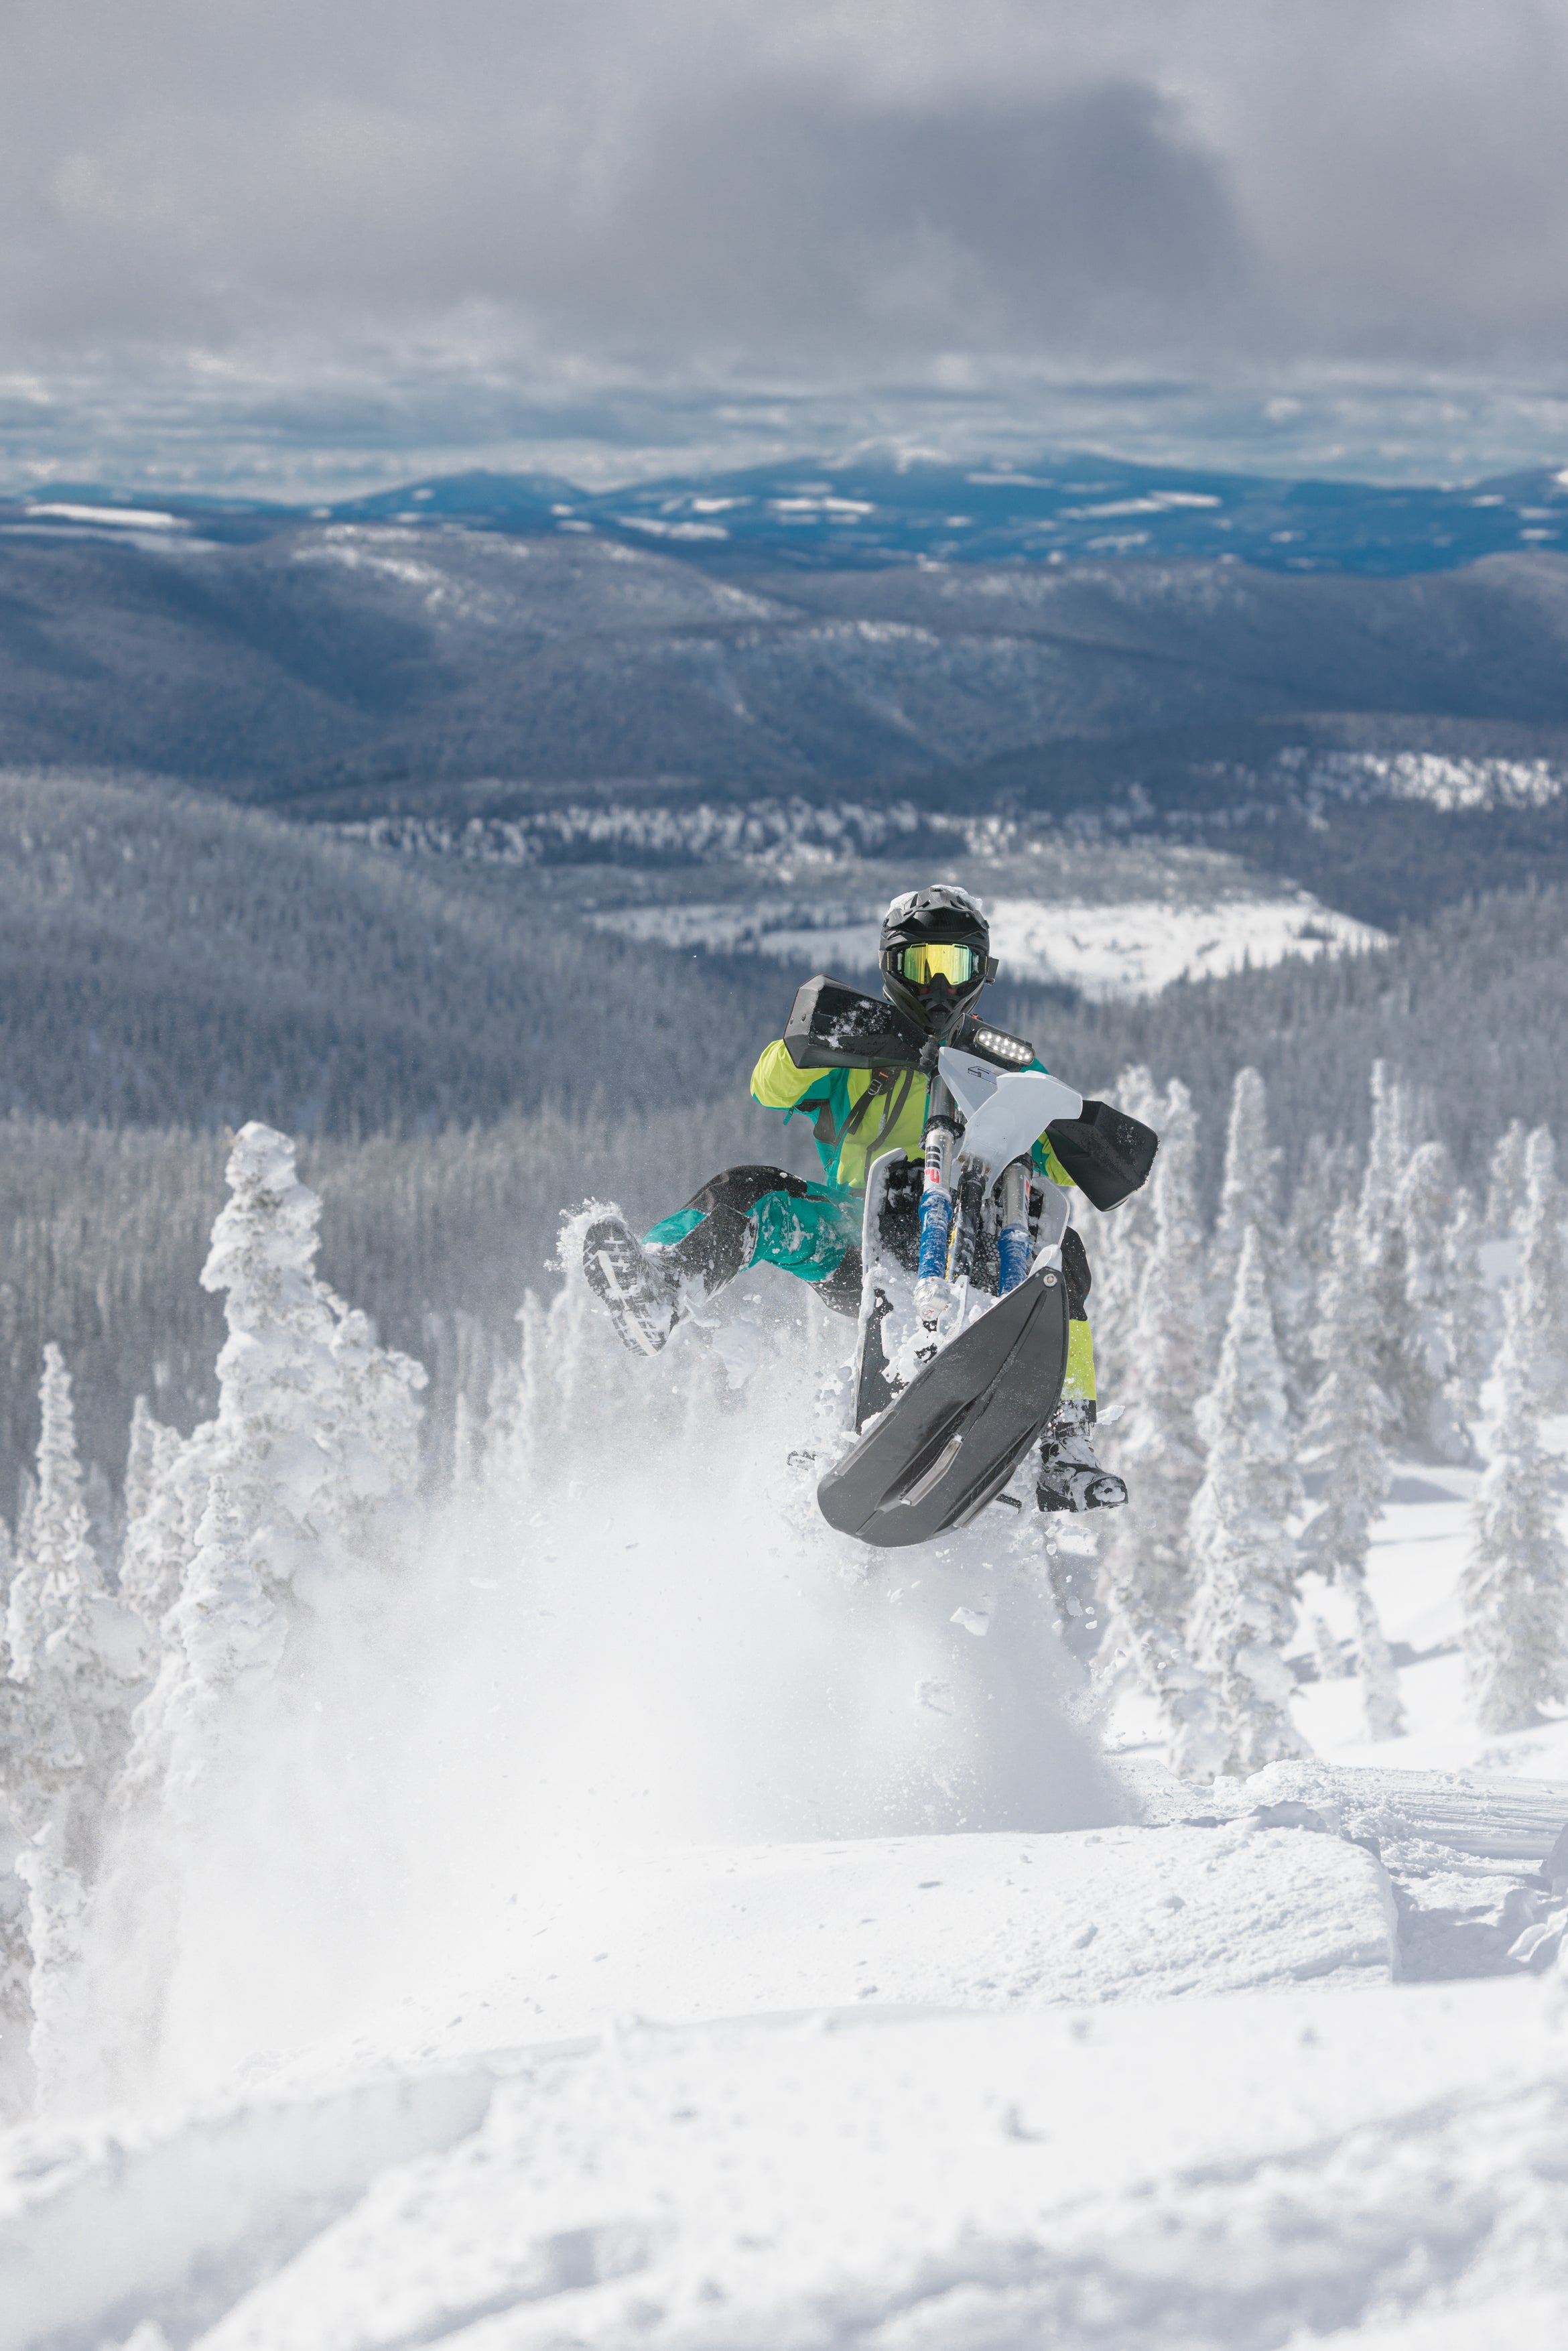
x,y
671,1229
808,1237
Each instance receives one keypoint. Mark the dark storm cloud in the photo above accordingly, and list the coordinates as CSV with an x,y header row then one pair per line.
x,y
275,204
750,204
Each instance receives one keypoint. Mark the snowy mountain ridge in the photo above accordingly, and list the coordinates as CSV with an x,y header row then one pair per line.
x,y
866,510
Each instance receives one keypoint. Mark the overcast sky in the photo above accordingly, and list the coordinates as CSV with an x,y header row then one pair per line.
x,y
299,239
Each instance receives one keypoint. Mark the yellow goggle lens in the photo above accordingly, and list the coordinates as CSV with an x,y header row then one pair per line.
x,y
928,962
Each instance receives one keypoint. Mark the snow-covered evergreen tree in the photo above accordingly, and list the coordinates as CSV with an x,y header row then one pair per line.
x,y
1348,1422
1248,1197
1430,1406
1382,1236
1145,1572
313,1451
1543,1271
1326,1177
316,1425
157,1540
376,1415
1244,1558
1121,1243
77,1665
226,1635
57,1572
1473,1336
1505,1193
1160,1443
141,1446
1515,1585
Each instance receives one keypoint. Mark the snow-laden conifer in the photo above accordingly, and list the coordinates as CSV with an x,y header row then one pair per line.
x,y
313,1450
1144,1546
157,1540
1244,1558
1324,1180
59,1572
226,1635
137,1491
376,1415
1348,1424
1505,1192
316,1425
1543,1271
1430,1406
1474,1337
1120,1245
1515,1584
1146,1574
1249,1195
77,1665
1381,1237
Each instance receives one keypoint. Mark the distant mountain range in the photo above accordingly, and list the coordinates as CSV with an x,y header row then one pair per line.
x,y
1391,734
877,511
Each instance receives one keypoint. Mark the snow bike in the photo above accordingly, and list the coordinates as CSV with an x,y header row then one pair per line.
x,y
961,1344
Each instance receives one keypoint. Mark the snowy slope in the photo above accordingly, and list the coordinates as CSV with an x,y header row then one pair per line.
x,y
650,1929
1378,2169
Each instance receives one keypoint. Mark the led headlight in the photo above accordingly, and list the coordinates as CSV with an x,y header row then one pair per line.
x,y
1002,1048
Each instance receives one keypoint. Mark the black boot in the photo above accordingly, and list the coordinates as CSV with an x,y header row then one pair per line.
x,y
1070,1477
643,1297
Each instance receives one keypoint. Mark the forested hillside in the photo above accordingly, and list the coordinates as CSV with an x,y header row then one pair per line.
x,y
167,958
401,661
471,1063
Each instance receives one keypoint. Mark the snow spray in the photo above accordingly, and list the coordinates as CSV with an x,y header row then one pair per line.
x,y
632,1632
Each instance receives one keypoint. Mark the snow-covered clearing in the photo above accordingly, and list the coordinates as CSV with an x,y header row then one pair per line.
x,y
645,1926
1131,946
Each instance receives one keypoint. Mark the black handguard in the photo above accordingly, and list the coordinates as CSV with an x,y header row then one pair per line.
x,y
1107,1153
834,1027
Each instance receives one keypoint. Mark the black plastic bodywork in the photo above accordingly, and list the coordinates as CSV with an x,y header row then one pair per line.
x,y
1107,1154
949,1443
833,1026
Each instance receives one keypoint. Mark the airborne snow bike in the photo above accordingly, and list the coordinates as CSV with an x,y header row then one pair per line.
x,y
962,1340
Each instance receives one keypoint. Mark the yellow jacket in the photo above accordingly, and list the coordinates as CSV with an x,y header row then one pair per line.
x,y
858,1115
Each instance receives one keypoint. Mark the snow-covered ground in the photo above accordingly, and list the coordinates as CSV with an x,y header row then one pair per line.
x,y
653,1931
1130,946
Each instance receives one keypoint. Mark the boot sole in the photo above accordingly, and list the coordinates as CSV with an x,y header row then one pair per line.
x,y
617,1272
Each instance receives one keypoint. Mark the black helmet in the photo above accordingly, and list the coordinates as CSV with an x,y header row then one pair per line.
x,y
935,955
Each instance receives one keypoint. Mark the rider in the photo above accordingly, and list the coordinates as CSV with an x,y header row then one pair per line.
x,y
935,954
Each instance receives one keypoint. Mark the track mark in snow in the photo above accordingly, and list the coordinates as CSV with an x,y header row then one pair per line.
x,y
104,2226
1262,2175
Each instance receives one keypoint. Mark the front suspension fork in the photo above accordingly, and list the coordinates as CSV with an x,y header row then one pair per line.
x,y
931,1291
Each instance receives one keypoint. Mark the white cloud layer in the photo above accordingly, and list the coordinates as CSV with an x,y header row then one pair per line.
x,y
260,210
